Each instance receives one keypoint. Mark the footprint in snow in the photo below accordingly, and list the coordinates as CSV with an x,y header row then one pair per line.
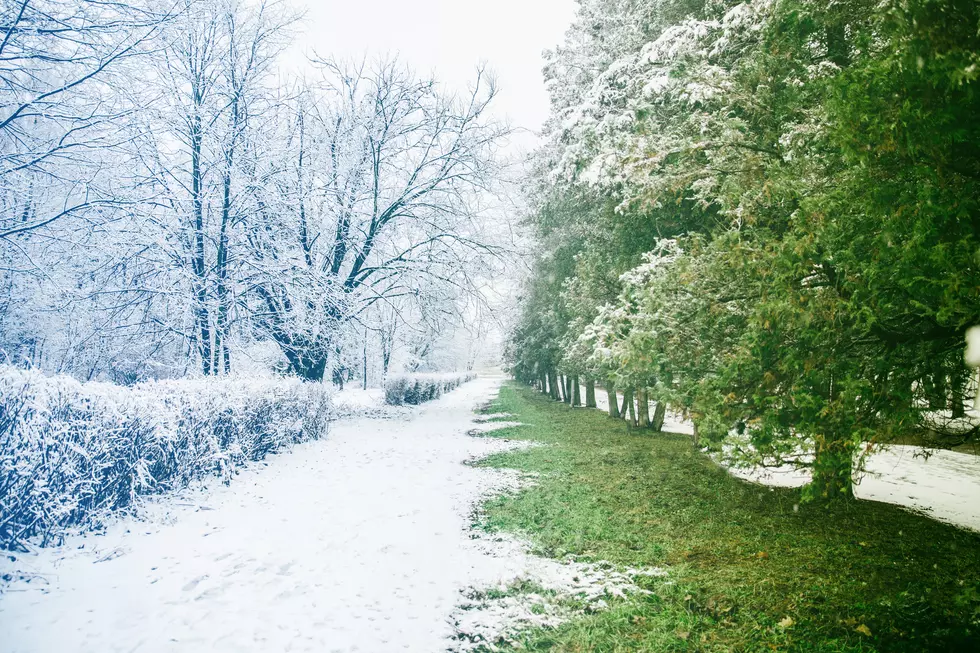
x,y
194,583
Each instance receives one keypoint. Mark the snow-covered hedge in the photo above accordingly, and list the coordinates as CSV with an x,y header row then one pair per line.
x,y
71,453
418,388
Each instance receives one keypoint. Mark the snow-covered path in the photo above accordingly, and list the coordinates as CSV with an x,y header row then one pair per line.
x,y
359,542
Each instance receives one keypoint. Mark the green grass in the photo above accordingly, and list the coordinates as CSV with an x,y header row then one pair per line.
x,y
742,558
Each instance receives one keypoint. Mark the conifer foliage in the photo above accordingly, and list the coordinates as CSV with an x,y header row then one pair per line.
x,y
765,214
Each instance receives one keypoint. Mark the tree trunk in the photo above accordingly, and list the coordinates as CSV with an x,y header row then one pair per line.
x,y
976,395
553,385
576,392
957,381
568,390
221,288
832,469
613,399
632,407
935,387
627,406
198,263
659,414
643,408
364,372
590,393
308,368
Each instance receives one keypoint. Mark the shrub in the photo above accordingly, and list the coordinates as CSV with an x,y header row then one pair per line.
x,y
414,389
71,453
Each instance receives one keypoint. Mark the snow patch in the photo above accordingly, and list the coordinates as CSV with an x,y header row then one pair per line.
x,y
489,417
536,592
483,428
942,484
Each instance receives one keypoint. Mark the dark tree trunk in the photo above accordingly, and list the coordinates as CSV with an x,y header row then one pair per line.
x,y
643,408
935,388
590,393
626,411
364,371
613,399
576,392
659,414
832,469
308,368
198,263
957,383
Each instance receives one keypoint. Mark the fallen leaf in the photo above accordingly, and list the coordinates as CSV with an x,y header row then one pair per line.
x,y
683,634
864,630
786,622
762,555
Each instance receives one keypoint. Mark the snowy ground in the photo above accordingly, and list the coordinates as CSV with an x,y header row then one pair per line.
x,y
942,484
360,542
353,402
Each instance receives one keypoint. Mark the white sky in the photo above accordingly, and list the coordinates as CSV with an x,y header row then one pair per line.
x,y
448,38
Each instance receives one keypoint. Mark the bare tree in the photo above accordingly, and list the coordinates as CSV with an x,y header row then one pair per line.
x,y
59,61
167,201
214,74
68,205
379,203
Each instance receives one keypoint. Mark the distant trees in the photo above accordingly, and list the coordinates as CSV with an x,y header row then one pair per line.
x,y
169,202
792,257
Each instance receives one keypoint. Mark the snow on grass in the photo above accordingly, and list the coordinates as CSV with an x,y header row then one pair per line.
x,y
491,417
353,398
534,592
486,427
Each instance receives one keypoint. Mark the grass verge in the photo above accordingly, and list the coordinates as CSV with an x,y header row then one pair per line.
x,y
751,569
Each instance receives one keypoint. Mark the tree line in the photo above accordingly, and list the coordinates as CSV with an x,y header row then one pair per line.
x,y
765,215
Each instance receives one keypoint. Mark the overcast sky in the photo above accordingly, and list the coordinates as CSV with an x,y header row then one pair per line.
x,y
449,38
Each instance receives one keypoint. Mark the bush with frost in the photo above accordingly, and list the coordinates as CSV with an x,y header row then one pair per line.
x,y
72,453
414,389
